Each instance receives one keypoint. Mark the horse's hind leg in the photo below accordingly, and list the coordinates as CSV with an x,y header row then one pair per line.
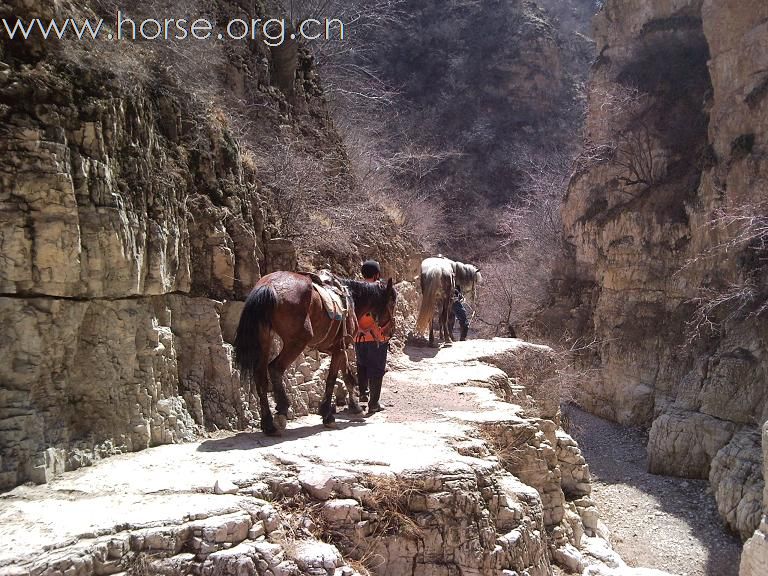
x,y
262,383
447,337
432,332
327,407
351,384
277,368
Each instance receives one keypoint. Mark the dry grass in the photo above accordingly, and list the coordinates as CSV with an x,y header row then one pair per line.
x,y
390,499
388,502
143,563
303,520
550,379
301,516
508,447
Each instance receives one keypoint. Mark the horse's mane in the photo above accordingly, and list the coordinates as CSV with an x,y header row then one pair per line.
x,y
466,274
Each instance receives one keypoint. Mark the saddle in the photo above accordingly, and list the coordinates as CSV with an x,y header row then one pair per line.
x,y
333,294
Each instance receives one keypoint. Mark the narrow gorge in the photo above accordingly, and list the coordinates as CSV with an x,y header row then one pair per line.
x,y
146,186
658,252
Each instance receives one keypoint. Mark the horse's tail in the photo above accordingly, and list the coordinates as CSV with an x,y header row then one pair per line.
x,y
254,320
430,286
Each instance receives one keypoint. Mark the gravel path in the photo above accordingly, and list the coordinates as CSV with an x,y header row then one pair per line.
x,y
659,522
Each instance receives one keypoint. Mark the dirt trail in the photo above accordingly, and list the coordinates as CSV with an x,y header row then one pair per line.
x,y
659,522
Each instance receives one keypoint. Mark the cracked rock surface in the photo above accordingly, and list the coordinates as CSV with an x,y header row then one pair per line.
x,y
449,479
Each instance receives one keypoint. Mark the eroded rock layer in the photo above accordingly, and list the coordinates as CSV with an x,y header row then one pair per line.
x,y
676,135
130,224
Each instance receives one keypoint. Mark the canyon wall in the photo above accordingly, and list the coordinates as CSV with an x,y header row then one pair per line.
x,y
131,223
485,87
676,155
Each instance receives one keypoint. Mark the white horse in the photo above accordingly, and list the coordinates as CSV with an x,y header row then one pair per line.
x,y
439,276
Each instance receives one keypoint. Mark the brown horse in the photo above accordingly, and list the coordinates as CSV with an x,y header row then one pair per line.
x,y
286,304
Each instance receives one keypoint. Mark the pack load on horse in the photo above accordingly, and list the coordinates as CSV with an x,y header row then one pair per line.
x,y
305,311
439,277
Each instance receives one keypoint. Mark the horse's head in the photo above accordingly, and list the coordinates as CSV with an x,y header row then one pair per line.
x,y
467,277
478,281
385,312
374,298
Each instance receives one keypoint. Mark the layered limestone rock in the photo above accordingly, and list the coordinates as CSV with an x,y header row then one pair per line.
x,y
448,480
130,224
754,560
677,133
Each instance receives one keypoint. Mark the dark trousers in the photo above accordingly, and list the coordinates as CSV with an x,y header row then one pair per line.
x,y
371,365
461,315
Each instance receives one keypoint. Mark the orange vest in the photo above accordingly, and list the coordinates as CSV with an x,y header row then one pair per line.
x,y
369,331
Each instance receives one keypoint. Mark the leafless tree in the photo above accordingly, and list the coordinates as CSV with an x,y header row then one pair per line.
x,y
517,279
195,64
535,219
502,296
389,169
746,228
621,133
309,199
347,76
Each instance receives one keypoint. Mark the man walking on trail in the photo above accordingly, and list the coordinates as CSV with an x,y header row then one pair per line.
x,y
460,312
371,347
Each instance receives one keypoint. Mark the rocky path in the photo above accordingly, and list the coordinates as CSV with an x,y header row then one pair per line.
x,y
658,521
448,475
206,507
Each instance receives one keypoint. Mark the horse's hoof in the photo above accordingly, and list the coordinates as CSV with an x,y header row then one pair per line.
x,y
281,422
273,432
331,425
355,409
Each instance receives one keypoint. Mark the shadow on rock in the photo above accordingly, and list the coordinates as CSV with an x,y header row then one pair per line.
x,y
253,440
417,353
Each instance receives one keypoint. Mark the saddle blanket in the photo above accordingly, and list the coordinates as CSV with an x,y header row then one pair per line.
x,y
332,302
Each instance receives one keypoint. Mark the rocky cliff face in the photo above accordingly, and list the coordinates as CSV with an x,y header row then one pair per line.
x,y
677,134
130,224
